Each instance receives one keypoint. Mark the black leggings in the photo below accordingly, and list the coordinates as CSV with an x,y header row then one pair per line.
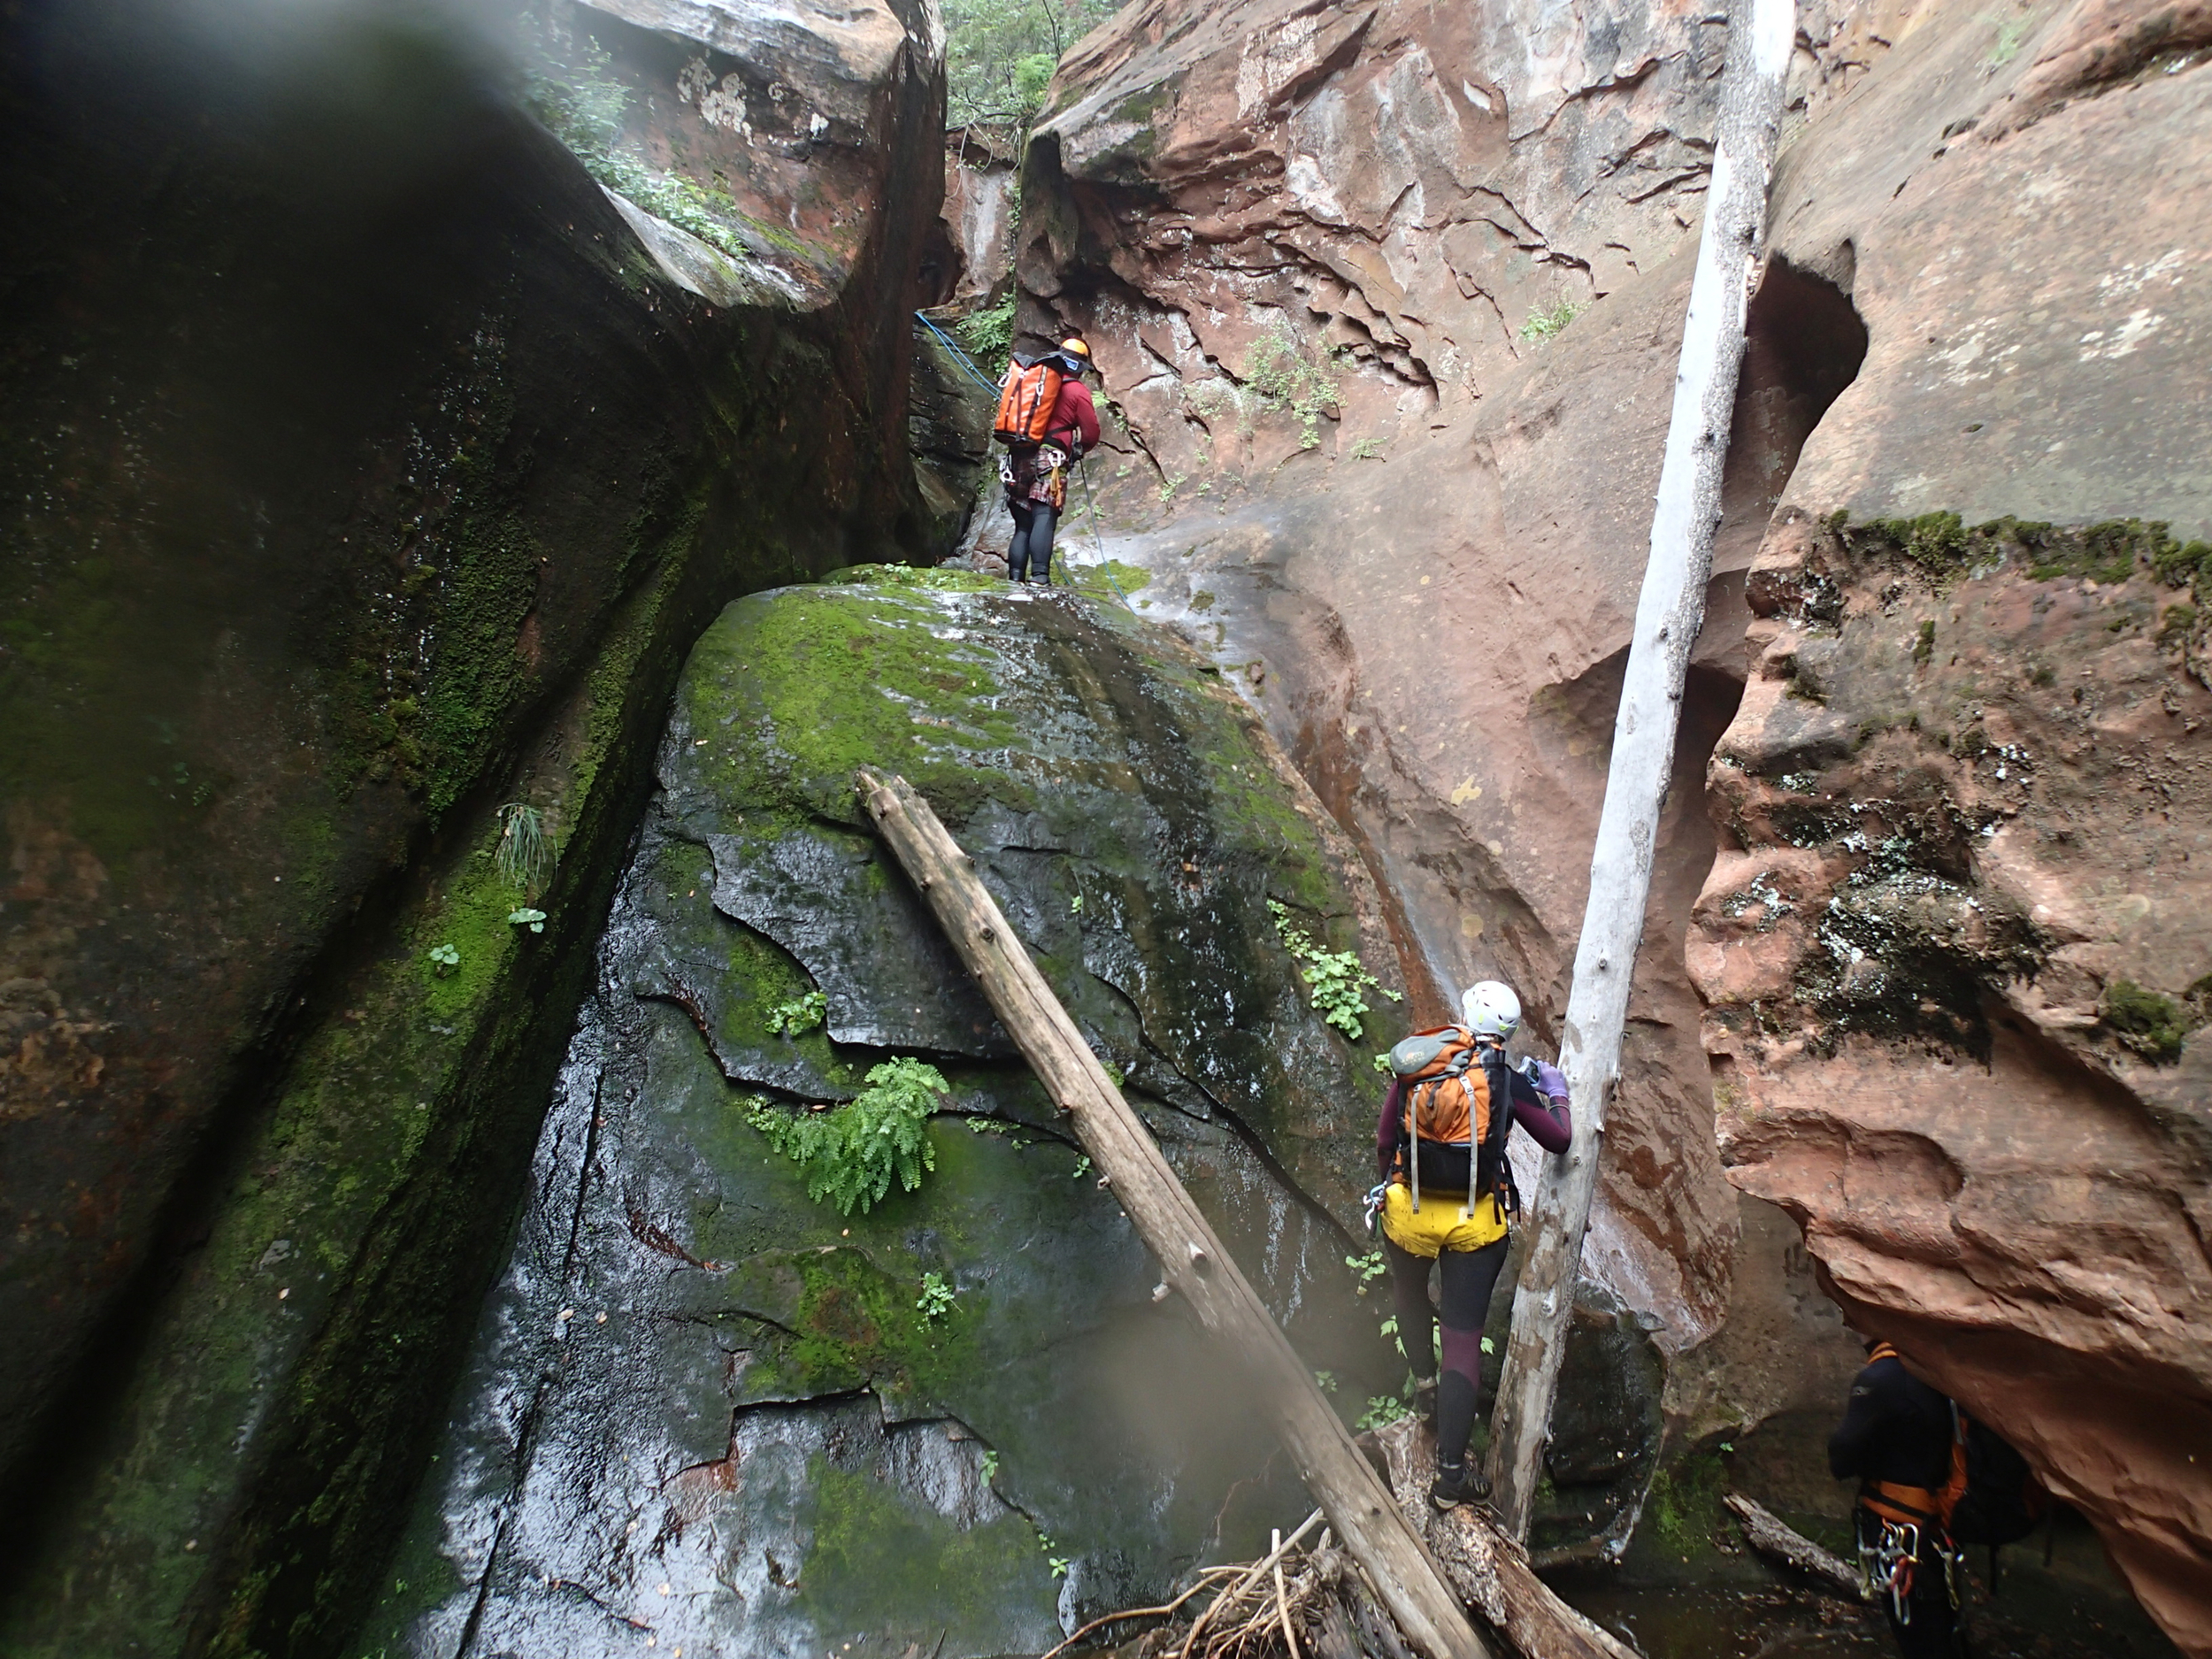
x,y
1469,1277
1032,546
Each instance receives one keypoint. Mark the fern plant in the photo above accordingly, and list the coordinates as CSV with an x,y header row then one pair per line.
x,y
798,1015
850,1156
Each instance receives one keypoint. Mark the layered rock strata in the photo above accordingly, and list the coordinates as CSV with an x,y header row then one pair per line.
x,y
1368,456
370,469
1954,947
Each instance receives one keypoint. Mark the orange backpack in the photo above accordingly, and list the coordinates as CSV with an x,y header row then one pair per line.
x,y
1025,401
1456,1114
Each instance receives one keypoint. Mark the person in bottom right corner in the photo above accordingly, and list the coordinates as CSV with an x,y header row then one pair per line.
x,y
1896,1440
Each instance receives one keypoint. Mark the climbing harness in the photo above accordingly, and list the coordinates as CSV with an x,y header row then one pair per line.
x,y
1890,1566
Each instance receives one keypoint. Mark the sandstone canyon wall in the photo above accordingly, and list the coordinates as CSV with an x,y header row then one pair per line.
x,y
369,469
1386,298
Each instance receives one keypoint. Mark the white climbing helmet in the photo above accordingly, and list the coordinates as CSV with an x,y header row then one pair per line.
x,y
1490,1010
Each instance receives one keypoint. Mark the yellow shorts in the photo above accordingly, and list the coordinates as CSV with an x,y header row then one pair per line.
x,y
1443,1223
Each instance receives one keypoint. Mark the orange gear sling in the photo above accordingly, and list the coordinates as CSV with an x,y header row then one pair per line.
x,y
1916,1506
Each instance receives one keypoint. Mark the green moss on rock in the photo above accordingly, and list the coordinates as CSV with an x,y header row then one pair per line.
x,y
878,1556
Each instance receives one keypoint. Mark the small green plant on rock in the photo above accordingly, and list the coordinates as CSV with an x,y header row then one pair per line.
x,y
524,916
1340,982
936,1300
1382,1411
988,335
1543,324
1279,375
850,1155
524,855
444,960
2155,1026
798,1015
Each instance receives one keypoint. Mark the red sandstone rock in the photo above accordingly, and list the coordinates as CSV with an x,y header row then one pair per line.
x,y
1421,553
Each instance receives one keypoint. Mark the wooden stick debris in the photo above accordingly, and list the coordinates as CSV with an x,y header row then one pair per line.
x,y
1361,1509
1773,1536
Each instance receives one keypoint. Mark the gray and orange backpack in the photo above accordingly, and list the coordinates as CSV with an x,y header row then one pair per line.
x,y
1457,1111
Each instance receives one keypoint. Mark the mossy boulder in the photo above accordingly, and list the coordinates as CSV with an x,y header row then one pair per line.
x,y
703,1402
364,472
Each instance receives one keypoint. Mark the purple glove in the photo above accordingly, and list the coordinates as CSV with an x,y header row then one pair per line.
x,y
1551,1080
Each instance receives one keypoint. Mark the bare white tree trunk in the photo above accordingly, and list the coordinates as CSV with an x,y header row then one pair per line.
x,y
1761,34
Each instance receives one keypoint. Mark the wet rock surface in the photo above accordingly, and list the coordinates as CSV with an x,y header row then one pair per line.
x,y
1366,457
369,470
707,1407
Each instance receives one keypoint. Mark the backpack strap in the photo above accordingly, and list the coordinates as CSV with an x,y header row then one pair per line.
x,y
1498,1074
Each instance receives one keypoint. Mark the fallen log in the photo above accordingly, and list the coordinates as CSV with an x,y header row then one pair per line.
x,y
1360,1508
1486,1564
1771,1537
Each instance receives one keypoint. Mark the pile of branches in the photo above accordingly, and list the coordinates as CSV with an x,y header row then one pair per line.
x,y
1297,1602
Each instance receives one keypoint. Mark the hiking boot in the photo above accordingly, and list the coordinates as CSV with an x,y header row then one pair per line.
x,y
1424,1400
1456,1484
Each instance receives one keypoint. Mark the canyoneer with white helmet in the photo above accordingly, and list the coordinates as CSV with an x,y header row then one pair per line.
x,y
1447,1198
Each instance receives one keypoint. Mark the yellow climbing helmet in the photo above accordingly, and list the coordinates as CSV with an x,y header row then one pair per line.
x,y
1077,355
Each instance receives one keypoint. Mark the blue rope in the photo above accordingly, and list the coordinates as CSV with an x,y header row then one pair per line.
x,y
959,356
1105,564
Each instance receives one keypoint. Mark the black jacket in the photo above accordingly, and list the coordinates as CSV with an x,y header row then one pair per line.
x,y
1898,1428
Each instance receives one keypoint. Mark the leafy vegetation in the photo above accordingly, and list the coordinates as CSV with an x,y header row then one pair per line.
x,y
1945,547
999,55
1384,1409
2011,32
1542,324
936,1300
1279,375
444,960
798,1015
2153,1025
1340,982
569,83
850,1155
524,854
987,335
523,915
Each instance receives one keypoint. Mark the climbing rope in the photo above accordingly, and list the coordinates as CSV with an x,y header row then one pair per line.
x,y
1090,504
1090,500
966,363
